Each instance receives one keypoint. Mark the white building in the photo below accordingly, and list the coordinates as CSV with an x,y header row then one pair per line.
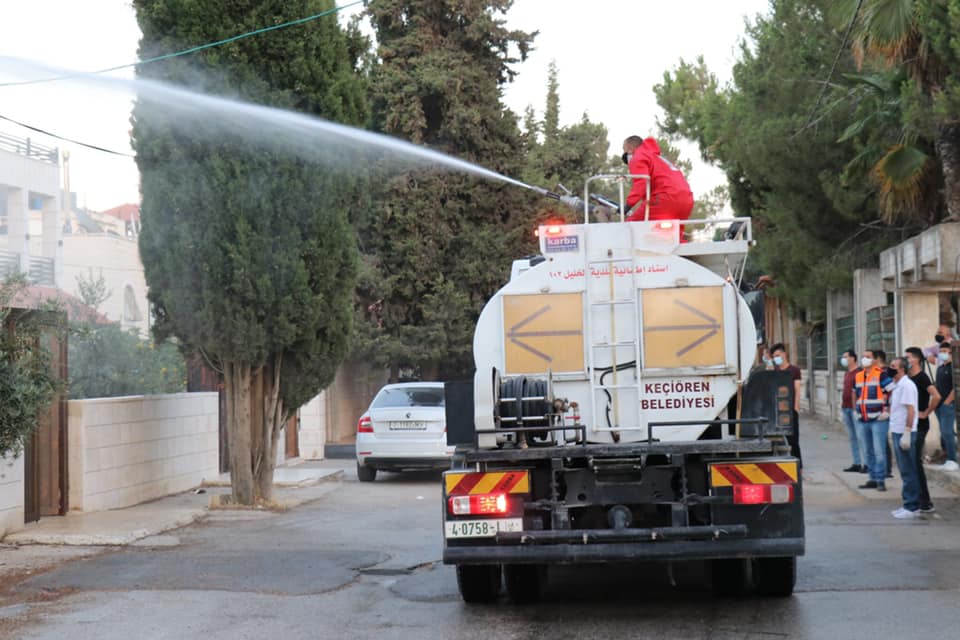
x,y
104,245
31,216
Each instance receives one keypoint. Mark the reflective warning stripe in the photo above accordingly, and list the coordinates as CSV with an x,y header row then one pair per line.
x,y
729,474
462,484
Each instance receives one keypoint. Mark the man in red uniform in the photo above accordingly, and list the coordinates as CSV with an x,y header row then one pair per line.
x,y
670,195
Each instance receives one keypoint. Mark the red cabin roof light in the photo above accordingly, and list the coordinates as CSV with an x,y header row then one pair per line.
x,y
665,224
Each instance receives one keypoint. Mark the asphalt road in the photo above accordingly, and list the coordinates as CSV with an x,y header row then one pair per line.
x,y
361,561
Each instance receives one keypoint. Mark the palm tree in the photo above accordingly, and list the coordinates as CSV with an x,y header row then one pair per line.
x,y
915,36
899,161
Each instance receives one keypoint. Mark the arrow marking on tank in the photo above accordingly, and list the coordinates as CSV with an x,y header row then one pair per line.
x,y
711,328
515,333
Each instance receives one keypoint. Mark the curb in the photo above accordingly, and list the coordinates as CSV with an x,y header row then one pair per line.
x,y
28,537
332,475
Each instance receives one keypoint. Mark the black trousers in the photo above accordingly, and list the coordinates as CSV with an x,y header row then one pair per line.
x,y
794,440
923,426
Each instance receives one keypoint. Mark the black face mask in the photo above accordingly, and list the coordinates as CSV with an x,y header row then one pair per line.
x,y
891,372
939,338
625,157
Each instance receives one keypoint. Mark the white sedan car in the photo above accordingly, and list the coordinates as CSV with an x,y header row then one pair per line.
x,y
404,428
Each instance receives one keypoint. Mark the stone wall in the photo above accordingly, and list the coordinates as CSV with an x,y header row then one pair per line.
x,y
123,451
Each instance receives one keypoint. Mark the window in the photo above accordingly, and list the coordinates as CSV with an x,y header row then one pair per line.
x,y
843,332
819,340
881,329
409,397
131,310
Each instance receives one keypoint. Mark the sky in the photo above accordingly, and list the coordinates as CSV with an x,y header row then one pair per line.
x,y
609,54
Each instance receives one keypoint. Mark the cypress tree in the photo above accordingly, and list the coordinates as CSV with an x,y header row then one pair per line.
x,y
247,249
438,244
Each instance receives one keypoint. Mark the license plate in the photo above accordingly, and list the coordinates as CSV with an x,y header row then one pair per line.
x,y
481,528
408,425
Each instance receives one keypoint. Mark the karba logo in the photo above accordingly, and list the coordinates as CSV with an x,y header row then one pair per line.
x,y
563,243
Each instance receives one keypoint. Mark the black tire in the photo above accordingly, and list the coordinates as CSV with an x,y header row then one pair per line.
x,y
525,582
775,577
365,473
730,577
478,582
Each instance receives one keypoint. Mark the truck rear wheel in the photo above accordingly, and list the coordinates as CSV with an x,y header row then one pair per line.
x,y
478,582
729,577
775,576
525,582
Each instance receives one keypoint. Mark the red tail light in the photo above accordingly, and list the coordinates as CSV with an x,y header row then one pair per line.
x,y
479,505
365,425
762,493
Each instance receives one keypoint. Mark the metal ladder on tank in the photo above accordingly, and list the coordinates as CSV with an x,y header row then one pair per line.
x,y
610,301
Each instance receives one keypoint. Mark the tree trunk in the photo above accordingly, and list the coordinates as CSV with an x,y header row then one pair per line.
x,y
948,148
430,371
236,377
267,431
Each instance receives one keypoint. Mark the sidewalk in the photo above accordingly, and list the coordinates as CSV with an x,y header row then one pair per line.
x,y
147,520
835,432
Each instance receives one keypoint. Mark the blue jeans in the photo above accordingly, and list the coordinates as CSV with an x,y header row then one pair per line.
x,y
947,417
875,439
907,463
849,419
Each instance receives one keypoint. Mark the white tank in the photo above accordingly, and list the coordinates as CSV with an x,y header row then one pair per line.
x,y
627,322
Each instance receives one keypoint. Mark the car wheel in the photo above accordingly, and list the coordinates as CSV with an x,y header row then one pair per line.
x,y
775,577
478,582
365,473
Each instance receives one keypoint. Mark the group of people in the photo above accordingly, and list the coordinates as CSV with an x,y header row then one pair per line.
x,y
886,403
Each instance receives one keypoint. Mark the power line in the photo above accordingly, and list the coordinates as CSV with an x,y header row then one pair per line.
x,y
70,140
165,56
833,68
176,54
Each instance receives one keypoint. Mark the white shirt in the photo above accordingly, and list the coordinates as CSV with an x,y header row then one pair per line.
x,y
904,395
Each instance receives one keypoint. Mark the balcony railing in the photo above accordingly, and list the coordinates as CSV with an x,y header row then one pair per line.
x,y
29,148
41,269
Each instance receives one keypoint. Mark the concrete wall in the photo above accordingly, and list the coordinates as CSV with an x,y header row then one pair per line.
x,y
11,494
313,428
123,451
118,261
349,396
867,293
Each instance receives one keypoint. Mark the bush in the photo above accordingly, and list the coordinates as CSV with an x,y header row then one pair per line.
x,y
107,361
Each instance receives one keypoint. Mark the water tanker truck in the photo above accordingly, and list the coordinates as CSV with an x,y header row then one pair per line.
x,y
613,417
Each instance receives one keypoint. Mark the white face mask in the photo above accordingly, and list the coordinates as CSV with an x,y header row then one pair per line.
x,y
865,361
944,356
844,362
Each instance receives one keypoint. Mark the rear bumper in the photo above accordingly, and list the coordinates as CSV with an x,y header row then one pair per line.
x,y
388,463
677,550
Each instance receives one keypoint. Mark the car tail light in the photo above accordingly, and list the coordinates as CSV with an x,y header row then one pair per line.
x,y
762,493
365,425
486,504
